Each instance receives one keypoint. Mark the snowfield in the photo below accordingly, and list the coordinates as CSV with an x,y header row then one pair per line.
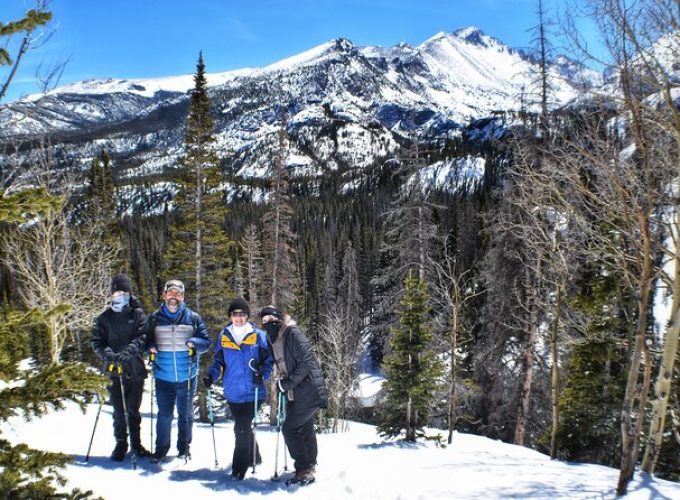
x,y
357,464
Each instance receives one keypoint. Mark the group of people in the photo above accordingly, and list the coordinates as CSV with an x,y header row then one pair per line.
x,y
173,337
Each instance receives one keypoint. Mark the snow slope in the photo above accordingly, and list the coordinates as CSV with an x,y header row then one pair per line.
x,y
357,464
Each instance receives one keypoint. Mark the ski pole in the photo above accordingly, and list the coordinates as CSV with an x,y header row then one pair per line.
x,y
282,408
211,410
127,417
280,418
96,420
192,355
152,360
255,430
250,365
278,436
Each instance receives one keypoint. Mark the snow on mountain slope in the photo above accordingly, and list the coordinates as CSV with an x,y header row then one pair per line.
x,y
348,107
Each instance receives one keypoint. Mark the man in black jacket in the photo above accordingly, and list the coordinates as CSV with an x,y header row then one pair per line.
x,y
301,379
119,338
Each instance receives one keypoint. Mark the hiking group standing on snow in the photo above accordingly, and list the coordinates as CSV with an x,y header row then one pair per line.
x,y
244,358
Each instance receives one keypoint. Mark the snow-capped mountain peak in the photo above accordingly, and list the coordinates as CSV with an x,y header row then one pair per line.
x,y
372,93
476,36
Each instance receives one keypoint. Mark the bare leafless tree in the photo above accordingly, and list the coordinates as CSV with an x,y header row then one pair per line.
x,y
454,290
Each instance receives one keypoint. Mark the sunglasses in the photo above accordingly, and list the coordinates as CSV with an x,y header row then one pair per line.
x,y
174,284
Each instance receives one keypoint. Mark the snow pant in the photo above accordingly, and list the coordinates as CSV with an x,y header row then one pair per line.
x,y
298,431
243,414
169,395
133,400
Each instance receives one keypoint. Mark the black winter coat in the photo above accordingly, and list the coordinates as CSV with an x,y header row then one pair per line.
x,y
305,377
125,330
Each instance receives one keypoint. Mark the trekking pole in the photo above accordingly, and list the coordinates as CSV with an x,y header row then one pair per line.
x,y
250,365
278,436
211,414
127,417
89,447
152,360
282,408
192,355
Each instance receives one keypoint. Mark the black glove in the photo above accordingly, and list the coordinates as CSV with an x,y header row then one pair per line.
x,y
124,356
208,381
257,378
110,356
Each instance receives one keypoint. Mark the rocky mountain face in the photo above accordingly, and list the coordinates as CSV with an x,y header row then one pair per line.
x,y
347,108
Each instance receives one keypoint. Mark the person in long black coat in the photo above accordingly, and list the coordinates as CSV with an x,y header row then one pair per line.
x,y
302,381
119,338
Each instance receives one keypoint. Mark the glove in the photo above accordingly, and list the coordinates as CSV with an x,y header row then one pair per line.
x,y
124,356
110,356
207,381
192,349
257,378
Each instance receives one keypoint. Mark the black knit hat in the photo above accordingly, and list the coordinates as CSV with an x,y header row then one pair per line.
x,y
121,283
239,304
271,311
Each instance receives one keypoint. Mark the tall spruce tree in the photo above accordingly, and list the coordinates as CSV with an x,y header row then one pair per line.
x,y
198,248
100,201
412,368
593,392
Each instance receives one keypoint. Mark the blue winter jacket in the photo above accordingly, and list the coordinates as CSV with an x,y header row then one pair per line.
x,y
235,364
170,337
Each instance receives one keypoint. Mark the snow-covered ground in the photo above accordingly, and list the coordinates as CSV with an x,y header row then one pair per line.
x,y
356,464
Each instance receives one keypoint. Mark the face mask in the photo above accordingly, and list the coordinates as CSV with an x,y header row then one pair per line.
x,y
118,303
272,329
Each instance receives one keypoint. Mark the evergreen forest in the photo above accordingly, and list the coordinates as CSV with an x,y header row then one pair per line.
x,y
536,303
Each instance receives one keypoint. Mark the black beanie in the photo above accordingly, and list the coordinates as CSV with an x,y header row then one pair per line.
x,y
239,304
271,311
121,282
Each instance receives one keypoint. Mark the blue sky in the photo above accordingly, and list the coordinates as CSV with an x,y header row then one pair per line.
x,y
154,38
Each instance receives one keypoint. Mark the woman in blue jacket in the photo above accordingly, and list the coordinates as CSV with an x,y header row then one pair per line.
x,y
243,360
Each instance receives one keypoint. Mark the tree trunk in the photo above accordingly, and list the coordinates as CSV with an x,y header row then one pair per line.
x,y
452,390
555,380
525,397
663,383
634,390
528,362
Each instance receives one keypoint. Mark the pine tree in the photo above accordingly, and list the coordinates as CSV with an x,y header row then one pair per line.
x,y
198,250
412,368
34,19
100,208
591,400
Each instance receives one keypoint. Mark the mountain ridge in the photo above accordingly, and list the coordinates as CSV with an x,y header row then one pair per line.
x,y
348,107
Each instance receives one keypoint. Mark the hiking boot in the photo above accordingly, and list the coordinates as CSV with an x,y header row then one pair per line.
x,y
119,452
140,451
184,453
156,458
305,475
240,475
